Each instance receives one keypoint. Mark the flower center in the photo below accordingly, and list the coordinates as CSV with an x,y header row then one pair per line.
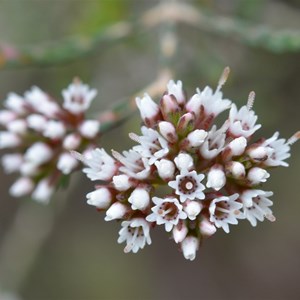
x,y
187,185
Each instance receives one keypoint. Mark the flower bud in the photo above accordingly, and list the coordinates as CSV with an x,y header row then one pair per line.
x,y
179,232
168,131
196,137
165,169
139,199
236,169
54,130
116,211
28,168
257,175
258,153
43,191
89,128
176,90
238,146
184,161
37,122
23,186
38,153
101,198
194,104
186,124
192,209
66,163
6,116
189,247
71,141
169,107
121,182
11,162
8,140
149,110
17,126
216,178
207,229
15,103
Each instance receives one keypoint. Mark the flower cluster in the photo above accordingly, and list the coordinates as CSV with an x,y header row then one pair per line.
x,y
185,173
40,133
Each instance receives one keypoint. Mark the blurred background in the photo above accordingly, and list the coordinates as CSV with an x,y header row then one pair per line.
x,y
66,250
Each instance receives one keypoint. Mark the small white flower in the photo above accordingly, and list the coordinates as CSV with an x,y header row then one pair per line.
x,y
147,107
214,142
38,154
152,144
278,150
18,126
23,186
257,175
207,229
9,140
256,206
139,199
66,163
101,198
43,191
121,182
136,233
89,128
11,162
54,130
165,169
72,141
78,97
37,122
192,209
236,169
237,146
196,138
242,122
225,210
116,211
179,232
134,165
15,103
168,131
188,185
100,165
166,211
216,178
189,247
184,161
175,89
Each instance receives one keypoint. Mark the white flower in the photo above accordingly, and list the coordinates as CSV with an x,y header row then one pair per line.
x,y
136,233
147,107
139,199
78,97
37,122
256,206
101,198
196,138
100,165
278,150
89,128
165,169
242,122
214,142
152,144
23,186
166,211
188,185
175,89
134,165
43,191
192,209
257,175
66,163
168,131
11,162
207,229
15,103
225,210
216,178
259,153
189,247
121,182
184,161
54,130
18,126
9,140
116,211
71,141
38,154
179,232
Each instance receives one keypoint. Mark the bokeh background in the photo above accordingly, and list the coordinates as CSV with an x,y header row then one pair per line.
x,y
66,250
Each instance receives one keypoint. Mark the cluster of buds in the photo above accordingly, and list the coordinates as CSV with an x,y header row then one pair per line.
x,y
39,135
185,173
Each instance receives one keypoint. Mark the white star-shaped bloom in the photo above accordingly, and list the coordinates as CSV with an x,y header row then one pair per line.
x,y
225,210
166,211
136,233
188,185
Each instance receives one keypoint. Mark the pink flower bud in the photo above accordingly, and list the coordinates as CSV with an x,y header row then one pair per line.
x,y
179,232
168,131
207,229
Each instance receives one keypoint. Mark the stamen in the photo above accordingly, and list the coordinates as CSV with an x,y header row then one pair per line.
x,y
270,217
78,156
294,138
134,137
223,78
251,99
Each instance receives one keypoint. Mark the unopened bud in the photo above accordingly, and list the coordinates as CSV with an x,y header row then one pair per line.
x,y
196,138
258,153
168,131
186,123
71,141
121,182
54,130
101,198
165,168
216,178
89,128
257,175
149,110
139,199
207,229
116,211
189,247
179,232
184,161
236,169
192,209
66,163
17,126
176,90
238,146
9,140
23,186
43,191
